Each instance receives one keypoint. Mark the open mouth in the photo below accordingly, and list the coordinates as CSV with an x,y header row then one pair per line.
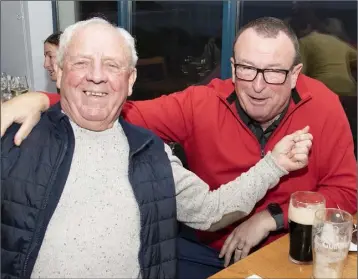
x,y
95,94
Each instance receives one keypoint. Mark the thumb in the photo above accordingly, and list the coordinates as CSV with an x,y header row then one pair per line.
x,y
296,135
25,130
306,129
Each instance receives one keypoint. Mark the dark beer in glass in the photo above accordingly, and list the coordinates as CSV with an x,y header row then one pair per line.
x,y
301,214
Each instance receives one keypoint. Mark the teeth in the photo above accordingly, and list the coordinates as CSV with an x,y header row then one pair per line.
x,y
99,94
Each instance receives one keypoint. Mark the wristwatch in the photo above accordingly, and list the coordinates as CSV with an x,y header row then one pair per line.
x,y
276,212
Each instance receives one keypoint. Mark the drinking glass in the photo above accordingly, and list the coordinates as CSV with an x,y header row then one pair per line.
x,y
331,237
5,92
19,85
301,213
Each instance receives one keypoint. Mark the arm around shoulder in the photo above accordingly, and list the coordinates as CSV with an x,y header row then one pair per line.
x,y
169,116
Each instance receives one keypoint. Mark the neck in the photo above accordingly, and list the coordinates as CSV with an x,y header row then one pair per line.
x,y
96,126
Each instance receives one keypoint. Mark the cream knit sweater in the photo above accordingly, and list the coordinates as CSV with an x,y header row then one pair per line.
x,y
94,231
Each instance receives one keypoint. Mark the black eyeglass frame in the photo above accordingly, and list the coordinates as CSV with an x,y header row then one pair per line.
x,y
262,71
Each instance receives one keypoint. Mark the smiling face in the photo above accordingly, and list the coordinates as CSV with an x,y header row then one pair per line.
x,y
96,78
262,101
50,59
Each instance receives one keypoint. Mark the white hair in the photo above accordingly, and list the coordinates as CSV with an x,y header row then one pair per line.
x,y
67,35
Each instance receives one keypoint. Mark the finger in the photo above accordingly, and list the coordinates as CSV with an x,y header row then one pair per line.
x,y
300,150
237,255
230,250
300,158
240,244
245,250
301,132
304,143
226,244
25,130
302,137
306,129
238,250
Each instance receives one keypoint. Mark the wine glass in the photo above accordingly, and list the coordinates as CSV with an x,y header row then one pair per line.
x,y
19,85
3,82
5,93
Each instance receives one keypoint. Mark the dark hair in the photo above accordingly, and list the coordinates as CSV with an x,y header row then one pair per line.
x,y
269,27
54,39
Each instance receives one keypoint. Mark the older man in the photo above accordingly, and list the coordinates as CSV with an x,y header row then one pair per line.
x,y
88,196
227,126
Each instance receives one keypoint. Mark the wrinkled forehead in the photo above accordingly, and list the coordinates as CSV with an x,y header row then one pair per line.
x,y
98,41
262,52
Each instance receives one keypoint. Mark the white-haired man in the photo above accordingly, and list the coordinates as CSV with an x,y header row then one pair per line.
x,y
86,195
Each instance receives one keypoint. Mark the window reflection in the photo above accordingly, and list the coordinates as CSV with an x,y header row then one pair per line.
x,y
327,32
179,44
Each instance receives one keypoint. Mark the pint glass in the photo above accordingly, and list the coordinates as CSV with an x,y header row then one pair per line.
x,y
331,237
301,213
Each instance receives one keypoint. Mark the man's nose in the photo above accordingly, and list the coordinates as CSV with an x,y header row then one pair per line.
x,y
259,83
96,74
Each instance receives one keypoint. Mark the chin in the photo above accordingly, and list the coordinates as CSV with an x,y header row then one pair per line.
x,y
255,115
95,117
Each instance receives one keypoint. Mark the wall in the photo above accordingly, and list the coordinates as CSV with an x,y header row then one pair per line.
x,y
67,13
24,27
14,57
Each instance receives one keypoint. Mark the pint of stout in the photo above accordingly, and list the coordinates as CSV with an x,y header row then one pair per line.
x,y
301,214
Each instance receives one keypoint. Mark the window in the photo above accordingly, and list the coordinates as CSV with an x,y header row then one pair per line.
x,y
178,42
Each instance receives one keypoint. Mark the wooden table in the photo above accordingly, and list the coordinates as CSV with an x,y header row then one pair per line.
x,y
272,262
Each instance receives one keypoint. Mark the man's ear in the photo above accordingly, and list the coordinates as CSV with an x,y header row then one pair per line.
x,y
232,69
295,73
131,81
58,71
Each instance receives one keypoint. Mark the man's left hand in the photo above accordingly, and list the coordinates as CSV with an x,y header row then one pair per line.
x,y
247,235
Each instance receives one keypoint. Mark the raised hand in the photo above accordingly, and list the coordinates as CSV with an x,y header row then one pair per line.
x,y
291,152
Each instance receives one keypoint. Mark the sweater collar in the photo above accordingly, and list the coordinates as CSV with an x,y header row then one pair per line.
x,y
137,137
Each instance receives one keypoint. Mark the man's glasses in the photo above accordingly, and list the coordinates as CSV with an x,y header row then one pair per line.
x,y
271,76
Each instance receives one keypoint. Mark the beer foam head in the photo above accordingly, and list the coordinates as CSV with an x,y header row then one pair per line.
x,y
303,215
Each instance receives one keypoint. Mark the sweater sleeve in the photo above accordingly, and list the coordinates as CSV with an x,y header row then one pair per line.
x,y
170,117
202,209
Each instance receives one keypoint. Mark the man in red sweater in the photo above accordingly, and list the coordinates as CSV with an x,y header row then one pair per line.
x,y
228,125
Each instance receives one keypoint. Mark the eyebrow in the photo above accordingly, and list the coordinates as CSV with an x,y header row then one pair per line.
x,y
80,56
112,58
104,58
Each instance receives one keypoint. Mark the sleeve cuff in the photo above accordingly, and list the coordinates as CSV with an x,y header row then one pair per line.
x,y
272,163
